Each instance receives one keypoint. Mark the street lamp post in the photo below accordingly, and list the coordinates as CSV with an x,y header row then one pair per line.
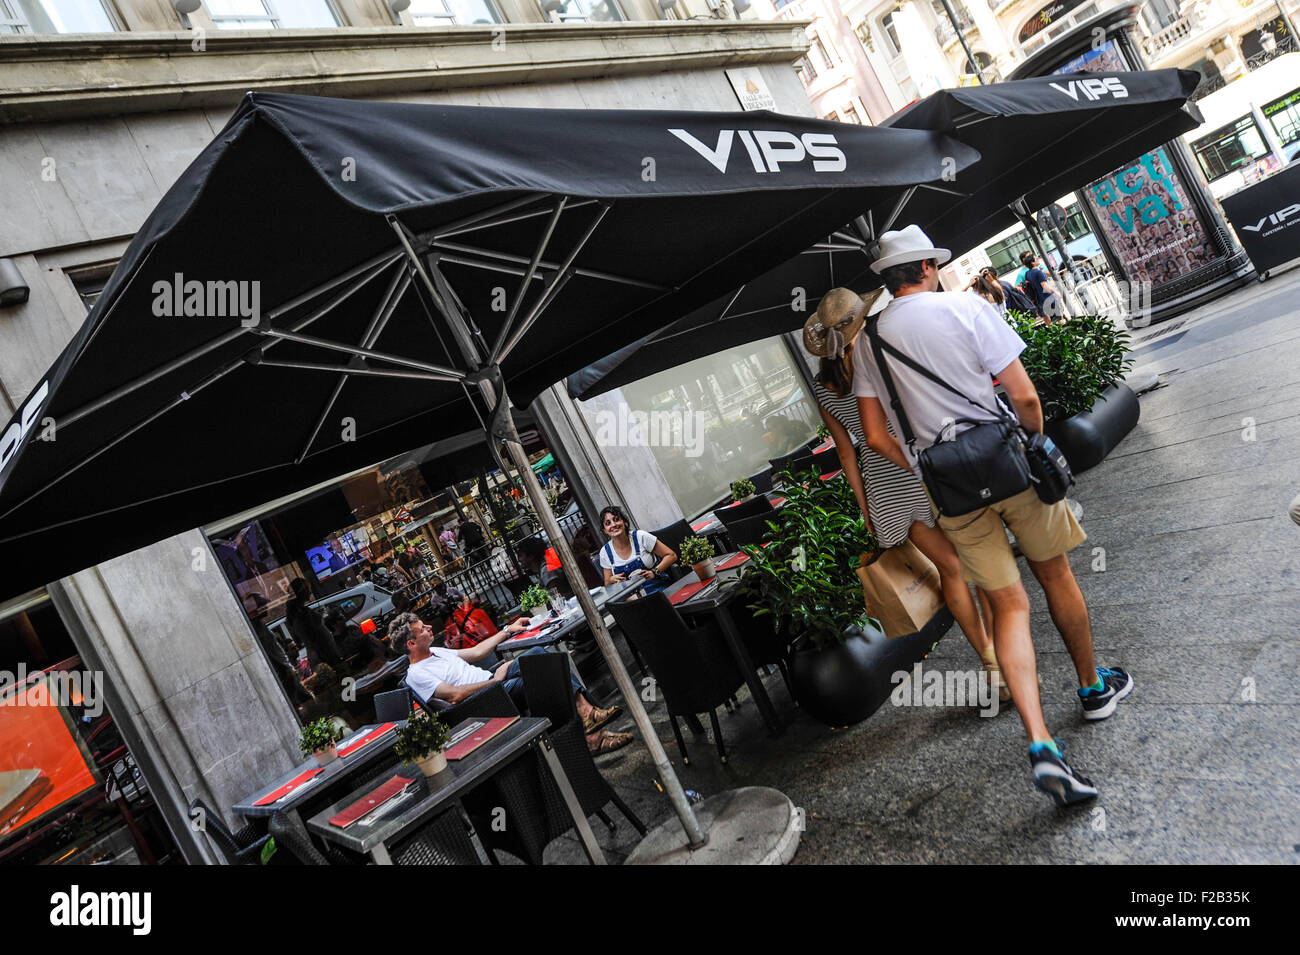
x,y
956,25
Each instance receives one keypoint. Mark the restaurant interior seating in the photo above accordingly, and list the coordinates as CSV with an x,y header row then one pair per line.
x,y
549,694
693,667
794,463
762,481
236,848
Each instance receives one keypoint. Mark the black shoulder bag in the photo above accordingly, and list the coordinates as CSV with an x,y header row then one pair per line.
x,y
986,463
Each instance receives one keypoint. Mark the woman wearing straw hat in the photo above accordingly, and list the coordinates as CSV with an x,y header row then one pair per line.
x,y
893,501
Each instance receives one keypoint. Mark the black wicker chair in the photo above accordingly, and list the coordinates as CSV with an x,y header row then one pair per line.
x,y
235,848
442,841
762,481
291,838
674,534
750,530
549,694
794,463
758,504
826,462
692,666
393,706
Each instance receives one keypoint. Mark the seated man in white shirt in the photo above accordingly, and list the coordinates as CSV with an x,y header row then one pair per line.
x,y
450,675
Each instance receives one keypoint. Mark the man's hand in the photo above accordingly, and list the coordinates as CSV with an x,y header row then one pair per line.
x,y
499,673
517,626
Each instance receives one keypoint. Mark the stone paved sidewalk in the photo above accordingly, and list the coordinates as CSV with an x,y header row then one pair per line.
x,y
1199,599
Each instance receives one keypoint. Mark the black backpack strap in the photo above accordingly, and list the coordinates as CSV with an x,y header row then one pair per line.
x,y
878,343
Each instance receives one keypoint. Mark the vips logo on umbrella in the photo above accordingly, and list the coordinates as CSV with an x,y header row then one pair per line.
x,y
211,299
1093,89
18,429
769,148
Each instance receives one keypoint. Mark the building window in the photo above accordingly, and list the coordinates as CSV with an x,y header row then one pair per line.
x,y
55,16
887,25
807,72
1229,148
851,114
271,14
823,58
833,116
590,11
428,13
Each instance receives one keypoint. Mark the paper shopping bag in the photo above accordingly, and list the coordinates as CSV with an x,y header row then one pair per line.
x,y
901,588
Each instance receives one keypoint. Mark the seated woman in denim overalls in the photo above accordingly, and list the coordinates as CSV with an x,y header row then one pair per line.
x,y
631,553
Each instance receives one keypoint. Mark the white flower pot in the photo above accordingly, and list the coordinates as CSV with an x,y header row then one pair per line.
x,y
704,569
432,764
326,756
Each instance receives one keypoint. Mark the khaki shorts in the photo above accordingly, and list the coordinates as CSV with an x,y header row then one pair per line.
x,y
1043,531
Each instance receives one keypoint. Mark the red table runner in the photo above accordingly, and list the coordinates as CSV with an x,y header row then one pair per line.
x,y
366,740
701,524
480,736
367,803
735,560
301,779
689,591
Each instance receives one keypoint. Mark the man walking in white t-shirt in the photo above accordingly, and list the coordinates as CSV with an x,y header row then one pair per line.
x,y
962,339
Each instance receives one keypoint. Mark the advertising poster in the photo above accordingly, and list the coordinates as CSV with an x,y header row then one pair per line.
x,y
1144,208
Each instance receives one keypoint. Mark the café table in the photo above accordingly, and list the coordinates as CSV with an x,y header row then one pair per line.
x,y
570,622
374,834
715,599
333,774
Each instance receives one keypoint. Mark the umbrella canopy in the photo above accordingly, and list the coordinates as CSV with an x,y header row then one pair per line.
x,y
1038,139
276,321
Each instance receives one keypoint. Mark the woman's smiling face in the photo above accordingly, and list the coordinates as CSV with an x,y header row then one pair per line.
x,y
614,525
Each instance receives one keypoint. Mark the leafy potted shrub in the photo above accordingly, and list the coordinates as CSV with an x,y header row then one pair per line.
x,y
823,432
742,489
535,600
421,741
319,738
1078,366
804,578
698,552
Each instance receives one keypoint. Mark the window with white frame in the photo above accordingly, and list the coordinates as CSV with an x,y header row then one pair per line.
x,y
271,14
890,31
426,13
55,16
851,114
590,11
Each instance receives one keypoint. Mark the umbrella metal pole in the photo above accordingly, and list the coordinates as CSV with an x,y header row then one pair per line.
x,y
595,619
695,835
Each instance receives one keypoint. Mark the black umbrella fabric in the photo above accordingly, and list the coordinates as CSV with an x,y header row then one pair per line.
x,y
1038,139
267,329
1041,138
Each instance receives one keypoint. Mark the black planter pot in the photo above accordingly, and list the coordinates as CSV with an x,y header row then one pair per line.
x,y
1086,438
843,684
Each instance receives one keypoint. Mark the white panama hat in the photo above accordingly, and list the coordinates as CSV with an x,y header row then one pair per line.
x,y
907,245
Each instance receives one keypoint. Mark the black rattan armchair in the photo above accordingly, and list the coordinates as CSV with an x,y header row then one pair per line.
x,y
243,847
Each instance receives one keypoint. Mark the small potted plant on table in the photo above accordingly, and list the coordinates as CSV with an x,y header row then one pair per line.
x,y
698,552
422,741
318,740
742,490
535,601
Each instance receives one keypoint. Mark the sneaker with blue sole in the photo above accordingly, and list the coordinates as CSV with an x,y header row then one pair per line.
x,y
1099,704
1054,776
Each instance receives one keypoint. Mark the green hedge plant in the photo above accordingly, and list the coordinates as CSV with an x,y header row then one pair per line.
x,y
741,489
423,735
805,574
695,549
1072,362
318,735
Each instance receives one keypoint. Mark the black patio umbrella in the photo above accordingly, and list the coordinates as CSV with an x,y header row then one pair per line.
x,y
332,282
1038,139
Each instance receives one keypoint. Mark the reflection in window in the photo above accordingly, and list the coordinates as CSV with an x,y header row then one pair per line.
x,y
54,16
590,11
1229,148
718,419
271,14
425,13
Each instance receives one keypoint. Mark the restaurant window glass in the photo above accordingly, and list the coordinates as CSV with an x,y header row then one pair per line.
x,y
271,14
717,419
1229,148
590,11
71,792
